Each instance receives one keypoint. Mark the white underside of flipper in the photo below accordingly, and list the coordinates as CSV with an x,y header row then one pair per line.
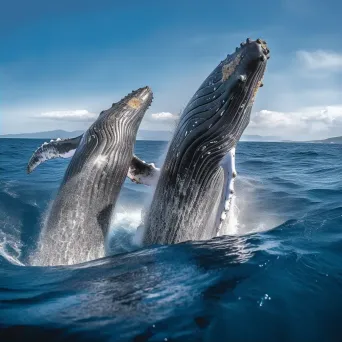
x,y
47,151
141,172
226,219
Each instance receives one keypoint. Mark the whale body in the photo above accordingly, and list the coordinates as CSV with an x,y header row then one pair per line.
x,y
193,193
78,220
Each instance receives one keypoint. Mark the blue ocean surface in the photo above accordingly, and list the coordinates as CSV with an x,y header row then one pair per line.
x,y
277,277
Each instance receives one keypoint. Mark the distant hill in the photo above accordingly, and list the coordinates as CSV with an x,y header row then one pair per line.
x,y
155,135
142,135
335,140
44,135
259,138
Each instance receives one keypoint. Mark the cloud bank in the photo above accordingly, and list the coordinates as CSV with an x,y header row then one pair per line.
x,y
320,60
308,123
165,116
69,115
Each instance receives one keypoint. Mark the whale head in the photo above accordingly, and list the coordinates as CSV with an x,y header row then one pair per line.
x,y
110,139
219,111
121,121
129,111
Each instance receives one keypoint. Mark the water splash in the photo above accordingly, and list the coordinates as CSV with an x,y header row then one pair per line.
x,y
123,236
248,213
10,244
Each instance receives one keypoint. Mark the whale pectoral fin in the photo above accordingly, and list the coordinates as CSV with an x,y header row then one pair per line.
x,y
143,173
225,212
60,148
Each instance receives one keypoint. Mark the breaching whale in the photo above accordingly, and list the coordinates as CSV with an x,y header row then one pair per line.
x,y
194,189
79,217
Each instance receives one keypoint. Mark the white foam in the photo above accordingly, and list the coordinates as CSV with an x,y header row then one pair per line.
x,y
245,215
10,244
8,188
123,233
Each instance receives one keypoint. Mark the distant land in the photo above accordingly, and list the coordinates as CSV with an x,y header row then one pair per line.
x,y
44,135
334,140
260,138
157,136
142,135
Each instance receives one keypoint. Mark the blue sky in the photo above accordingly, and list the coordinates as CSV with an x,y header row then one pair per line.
x,y
62,62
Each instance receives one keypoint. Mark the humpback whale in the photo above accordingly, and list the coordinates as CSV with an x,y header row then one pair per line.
x,y
79,217
194,190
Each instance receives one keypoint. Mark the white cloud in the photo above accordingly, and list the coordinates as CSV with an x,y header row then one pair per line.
x,y
164,116
304,124
69,115
161,121
320,60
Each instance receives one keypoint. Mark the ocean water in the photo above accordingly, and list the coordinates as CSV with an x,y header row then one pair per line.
x,y
277,277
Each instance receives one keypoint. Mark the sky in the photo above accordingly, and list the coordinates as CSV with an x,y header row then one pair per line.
x,y
63,62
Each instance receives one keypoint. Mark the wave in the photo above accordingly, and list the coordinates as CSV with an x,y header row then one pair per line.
x,y
9,188
305,154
